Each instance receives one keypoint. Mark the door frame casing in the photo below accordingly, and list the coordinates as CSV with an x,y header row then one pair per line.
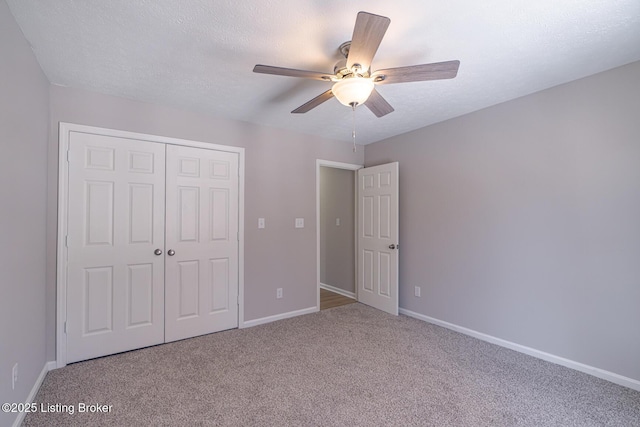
x,y
336,165
64,132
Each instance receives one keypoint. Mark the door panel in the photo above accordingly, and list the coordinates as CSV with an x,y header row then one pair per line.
x,y
115,284
202,228
98,228
141,213
219,284
98,302
140,295
188,289
189,214
378,233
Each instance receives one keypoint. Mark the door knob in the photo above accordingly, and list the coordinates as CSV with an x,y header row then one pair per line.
x,y
392,246
171,252
158,252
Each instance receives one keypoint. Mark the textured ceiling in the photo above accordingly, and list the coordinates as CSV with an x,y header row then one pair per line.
x,y
199,54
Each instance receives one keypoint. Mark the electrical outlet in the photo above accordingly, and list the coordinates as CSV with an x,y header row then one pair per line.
x,y
279,293
14,376
337,222
261,223
299,222
416,291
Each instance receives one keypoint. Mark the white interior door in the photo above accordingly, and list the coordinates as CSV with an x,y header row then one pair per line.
x,y
378,237
115,282
201,278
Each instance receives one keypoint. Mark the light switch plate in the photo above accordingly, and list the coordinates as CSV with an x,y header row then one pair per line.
x,y
299,222
338,222
261,223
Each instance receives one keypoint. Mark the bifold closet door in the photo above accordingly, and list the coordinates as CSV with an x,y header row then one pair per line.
x,y
115,278
201,280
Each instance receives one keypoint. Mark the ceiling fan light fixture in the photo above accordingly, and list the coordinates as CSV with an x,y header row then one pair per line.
x,y
352,76
352,91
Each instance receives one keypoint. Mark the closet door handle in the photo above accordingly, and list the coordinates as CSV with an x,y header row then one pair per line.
x,y
158,252
171,252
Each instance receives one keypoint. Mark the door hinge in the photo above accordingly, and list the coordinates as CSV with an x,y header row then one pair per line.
x,y
68,155
238,300
65,326
66,240
238,236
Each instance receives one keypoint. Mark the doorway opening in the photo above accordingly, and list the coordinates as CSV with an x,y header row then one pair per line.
x,y
336,233
330,299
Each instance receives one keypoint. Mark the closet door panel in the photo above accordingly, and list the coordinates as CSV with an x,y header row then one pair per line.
x,y
202,234
115,282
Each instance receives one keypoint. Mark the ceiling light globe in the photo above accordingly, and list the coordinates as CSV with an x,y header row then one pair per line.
x,y
352,90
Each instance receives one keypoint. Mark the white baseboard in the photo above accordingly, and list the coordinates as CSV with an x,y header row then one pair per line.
x,y
338,291
596,372
269,319
34,390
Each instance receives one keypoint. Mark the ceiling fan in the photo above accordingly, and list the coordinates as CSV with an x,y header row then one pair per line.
x,y
353,81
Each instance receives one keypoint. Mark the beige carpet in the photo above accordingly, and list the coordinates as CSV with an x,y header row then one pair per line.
x,y
347,366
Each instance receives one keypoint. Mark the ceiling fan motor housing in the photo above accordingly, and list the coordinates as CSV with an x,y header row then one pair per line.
x,y
340,69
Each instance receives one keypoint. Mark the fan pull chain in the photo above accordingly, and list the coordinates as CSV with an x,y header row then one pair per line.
x,y
353,133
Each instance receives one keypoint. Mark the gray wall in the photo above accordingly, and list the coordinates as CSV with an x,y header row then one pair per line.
x,y
337,243
280,186
522,221
23,143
